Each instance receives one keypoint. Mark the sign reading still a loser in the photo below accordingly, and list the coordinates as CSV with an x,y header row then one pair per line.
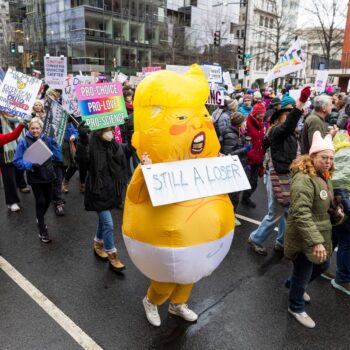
x,y
194,178
101,105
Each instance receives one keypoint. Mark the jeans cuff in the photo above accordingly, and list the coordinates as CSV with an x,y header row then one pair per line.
x,y
109,251
98,240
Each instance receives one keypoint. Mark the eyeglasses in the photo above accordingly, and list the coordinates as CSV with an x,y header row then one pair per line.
x,y
325,158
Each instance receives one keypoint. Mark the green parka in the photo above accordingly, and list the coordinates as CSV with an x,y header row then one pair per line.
x,y
308,220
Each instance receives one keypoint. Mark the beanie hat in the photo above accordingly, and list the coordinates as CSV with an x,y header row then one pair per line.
x,y
259,108
286,100
275,101
231,104
247,97
237,119
321,144
257,95
250,91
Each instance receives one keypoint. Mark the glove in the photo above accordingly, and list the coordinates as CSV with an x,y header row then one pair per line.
x,y
248,147
35,166
26,120
305,94
83,129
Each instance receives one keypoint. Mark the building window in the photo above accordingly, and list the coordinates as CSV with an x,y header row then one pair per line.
x,y
271,23
266,22
261,23
237,33
242,33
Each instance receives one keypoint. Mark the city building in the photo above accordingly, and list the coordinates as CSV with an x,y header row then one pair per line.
x,y
4,37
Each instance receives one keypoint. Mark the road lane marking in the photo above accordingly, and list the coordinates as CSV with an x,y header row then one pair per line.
x,y
50,308
256,222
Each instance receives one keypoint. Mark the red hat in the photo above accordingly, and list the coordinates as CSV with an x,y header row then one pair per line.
x,y
258,108
247,97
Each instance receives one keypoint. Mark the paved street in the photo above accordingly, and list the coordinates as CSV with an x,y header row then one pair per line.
x,y
243,305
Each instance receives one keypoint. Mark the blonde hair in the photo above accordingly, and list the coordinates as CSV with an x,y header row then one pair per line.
x,y
37,121
305,165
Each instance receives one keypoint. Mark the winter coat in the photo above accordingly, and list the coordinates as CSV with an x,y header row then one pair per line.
x,y
245,110
233,143
312,123
333,117
224,121
343,195
308,220
102,189
284,143
45,173
343,117
11,136
255,129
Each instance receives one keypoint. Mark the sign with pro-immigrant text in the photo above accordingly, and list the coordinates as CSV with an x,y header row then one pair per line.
x,y
18,93
216,98
55,71
102,105
184,180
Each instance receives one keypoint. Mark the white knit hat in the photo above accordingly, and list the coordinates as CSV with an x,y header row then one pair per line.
x,y
321,144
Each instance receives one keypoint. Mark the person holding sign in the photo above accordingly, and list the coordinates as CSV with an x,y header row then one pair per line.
x,y
40,176
106,179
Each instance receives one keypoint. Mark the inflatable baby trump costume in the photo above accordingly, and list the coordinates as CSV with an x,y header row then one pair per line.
x,y
174,245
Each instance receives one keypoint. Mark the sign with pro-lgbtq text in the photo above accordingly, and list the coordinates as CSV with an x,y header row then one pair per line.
x,y
321,80
194,178
102,105
18,93
55,71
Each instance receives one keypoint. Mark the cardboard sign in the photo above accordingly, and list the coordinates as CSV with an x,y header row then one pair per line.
x,y
69,97
213,72
216,98
195,178
102,105
321,80
37,153
55,71
227,81
18,93
55,121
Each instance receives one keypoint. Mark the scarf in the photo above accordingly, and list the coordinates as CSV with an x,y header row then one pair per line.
x,y
9,149
116,163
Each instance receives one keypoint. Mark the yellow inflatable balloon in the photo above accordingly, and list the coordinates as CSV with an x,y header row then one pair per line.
x,y
182,242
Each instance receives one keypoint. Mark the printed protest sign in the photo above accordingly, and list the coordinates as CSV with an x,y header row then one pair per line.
x,y
102,105
213,73
321,80
227,81
18,93
148,70
194,178
69,97
292,61
121,77
134,81
216,98
55,71
55,121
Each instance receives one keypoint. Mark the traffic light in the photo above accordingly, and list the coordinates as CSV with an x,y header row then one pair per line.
x,y
32,60
217,38
13,47
246,70
240,52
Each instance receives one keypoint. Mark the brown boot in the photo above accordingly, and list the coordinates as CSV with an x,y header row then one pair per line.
x,y
99,251
114,263
65,188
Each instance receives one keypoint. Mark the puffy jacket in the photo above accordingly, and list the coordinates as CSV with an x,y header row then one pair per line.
x,y
245,110
343,118
284,143
233,143
255,129
70,131
308,220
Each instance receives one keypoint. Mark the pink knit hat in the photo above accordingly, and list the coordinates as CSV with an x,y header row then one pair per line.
x,y
321,144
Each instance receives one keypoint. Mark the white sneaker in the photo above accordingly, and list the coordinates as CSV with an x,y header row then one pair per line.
x,y
151,312
237,222
14,207
183,311
303,318
306,297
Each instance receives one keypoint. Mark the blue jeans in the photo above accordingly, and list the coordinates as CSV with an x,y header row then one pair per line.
x,y
342,234
105,230
276,213
304,271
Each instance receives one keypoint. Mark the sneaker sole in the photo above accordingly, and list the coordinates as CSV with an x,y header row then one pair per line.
x,y
327,277
176,314
115,269
149,321
339,287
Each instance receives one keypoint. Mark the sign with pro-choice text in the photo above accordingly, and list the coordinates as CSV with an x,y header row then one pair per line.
x,y
194,178
18,93
55,71
101,105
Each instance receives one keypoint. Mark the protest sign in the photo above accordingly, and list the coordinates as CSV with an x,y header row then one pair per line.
x,y
2,75
147,70
18,93
227,81
216,98
102,105
55,71
134,81
213,73
348,88
69,97
321,80
121,77
55,121
37,153
194,178
292,61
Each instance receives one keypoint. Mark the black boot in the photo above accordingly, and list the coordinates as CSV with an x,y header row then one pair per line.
x,y
44,236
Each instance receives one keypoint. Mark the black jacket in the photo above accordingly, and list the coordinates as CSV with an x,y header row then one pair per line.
x,y
284,143
233,143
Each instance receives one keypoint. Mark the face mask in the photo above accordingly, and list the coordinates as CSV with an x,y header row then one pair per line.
x,y
108,136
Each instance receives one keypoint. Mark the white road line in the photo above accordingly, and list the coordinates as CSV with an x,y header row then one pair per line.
x,y
256,222
50,308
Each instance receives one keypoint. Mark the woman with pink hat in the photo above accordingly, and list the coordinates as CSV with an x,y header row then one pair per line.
x,y
308,240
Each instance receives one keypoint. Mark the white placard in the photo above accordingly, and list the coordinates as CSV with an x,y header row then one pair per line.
x,y
295,94
216,98
227,81
121,77
194,178
55,71
348,88
321,80
134,81
37,153
18,93
213,72
241,74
